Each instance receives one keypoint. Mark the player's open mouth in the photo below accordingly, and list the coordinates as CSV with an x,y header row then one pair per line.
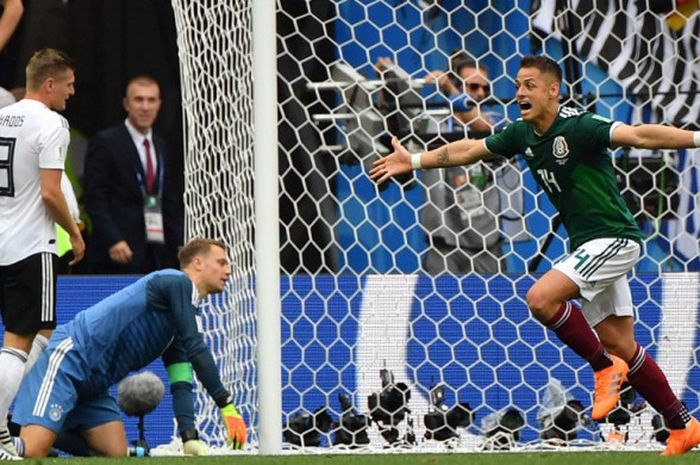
x,y
524,106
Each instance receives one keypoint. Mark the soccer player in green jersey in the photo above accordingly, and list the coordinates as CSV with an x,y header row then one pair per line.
x,y
567,152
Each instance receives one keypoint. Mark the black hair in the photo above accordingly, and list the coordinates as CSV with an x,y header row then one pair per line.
x,y
544,64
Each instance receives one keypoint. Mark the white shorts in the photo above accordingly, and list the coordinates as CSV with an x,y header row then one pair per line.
x,y
599,268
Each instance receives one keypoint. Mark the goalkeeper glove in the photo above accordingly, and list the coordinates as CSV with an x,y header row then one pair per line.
x,y
235,426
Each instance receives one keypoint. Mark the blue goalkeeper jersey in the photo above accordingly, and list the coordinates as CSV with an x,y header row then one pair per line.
x,y
154,316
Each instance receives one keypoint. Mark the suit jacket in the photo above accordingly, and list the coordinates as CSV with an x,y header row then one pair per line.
x,y
114,199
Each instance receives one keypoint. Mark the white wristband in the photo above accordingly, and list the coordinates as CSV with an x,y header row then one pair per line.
x,y
415,161
696,138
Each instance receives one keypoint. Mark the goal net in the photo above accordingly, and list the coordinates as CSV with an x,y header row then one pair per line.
x,y
403,314
214,40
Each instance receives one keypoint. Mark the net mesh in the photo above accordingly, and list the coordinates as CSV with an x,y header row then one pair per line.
x,y
404,321
214,40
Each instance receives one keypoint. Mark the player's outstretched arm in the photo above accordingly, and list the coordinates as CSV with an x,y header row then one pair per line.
x,y
654,136
400,161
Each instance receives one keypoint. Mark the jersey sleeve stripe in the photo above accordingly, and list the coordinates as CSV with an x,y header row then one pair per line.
x,y
612,129
487,147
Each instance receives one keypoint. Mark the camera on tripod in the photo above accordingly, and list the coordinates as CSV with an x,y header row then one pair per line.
x,y
305,429
389,407
441,422
352,430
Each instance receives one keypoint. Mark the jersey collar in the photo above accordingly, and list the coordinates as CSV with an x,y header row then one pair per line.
x,y
556,116
34,101
195,296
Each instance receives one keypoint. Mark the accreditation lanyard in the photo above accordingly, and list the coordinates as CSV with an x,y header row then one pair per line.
x,y
152,209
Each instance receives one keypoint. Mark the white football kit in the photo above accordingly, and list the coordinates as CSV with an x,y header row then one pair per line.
x,y
599,268
32,137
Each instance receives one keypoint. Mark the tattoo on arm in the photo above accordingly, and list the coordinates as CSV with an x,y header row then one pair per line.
x,y
443,157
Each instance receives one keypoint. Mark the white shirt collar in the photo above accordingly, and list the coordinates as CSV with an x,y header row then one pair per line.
x,y
138,137
34,101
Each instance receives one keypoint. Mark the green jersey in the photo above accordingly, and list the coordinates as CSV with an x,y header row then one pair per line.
x,y
572,164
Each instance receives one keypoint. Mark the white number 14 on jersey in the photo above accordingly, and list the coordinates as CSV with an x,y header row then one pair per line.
x,y
549,181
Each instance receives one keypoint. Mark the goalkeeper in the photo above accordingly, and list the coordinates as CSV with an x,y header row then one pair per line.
x,y
566,150
68,386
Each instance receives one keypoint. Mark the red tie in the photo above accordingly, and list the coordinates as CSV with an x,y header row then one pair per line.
x,y
150,172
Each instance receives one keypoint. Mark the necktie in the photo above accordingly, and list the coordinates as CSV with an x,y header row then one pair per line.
x,y
150,172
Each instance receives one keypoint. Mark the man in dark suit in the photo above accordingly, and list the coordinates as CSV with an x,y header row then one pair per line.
x,y
136,218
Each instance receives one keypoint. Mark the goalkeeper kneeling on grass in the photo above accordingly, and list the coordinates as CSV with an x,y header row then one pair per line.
x,y
68,386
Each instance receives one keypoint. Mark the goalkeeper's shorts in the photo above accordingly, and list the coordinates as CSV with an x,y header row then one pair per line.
x,y
599,268
49,395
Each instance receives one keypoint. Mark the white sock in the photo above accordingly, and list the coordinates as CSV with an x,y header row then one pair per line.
x,y
12,362
40,343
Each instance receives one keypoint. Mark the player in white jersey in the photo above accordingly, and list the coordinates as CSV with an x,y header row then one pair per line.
x,y
33,146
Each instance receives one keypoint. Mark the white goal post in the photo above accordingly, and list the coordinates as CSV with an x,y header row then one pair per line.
x,y
351,322
230,176
266,228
